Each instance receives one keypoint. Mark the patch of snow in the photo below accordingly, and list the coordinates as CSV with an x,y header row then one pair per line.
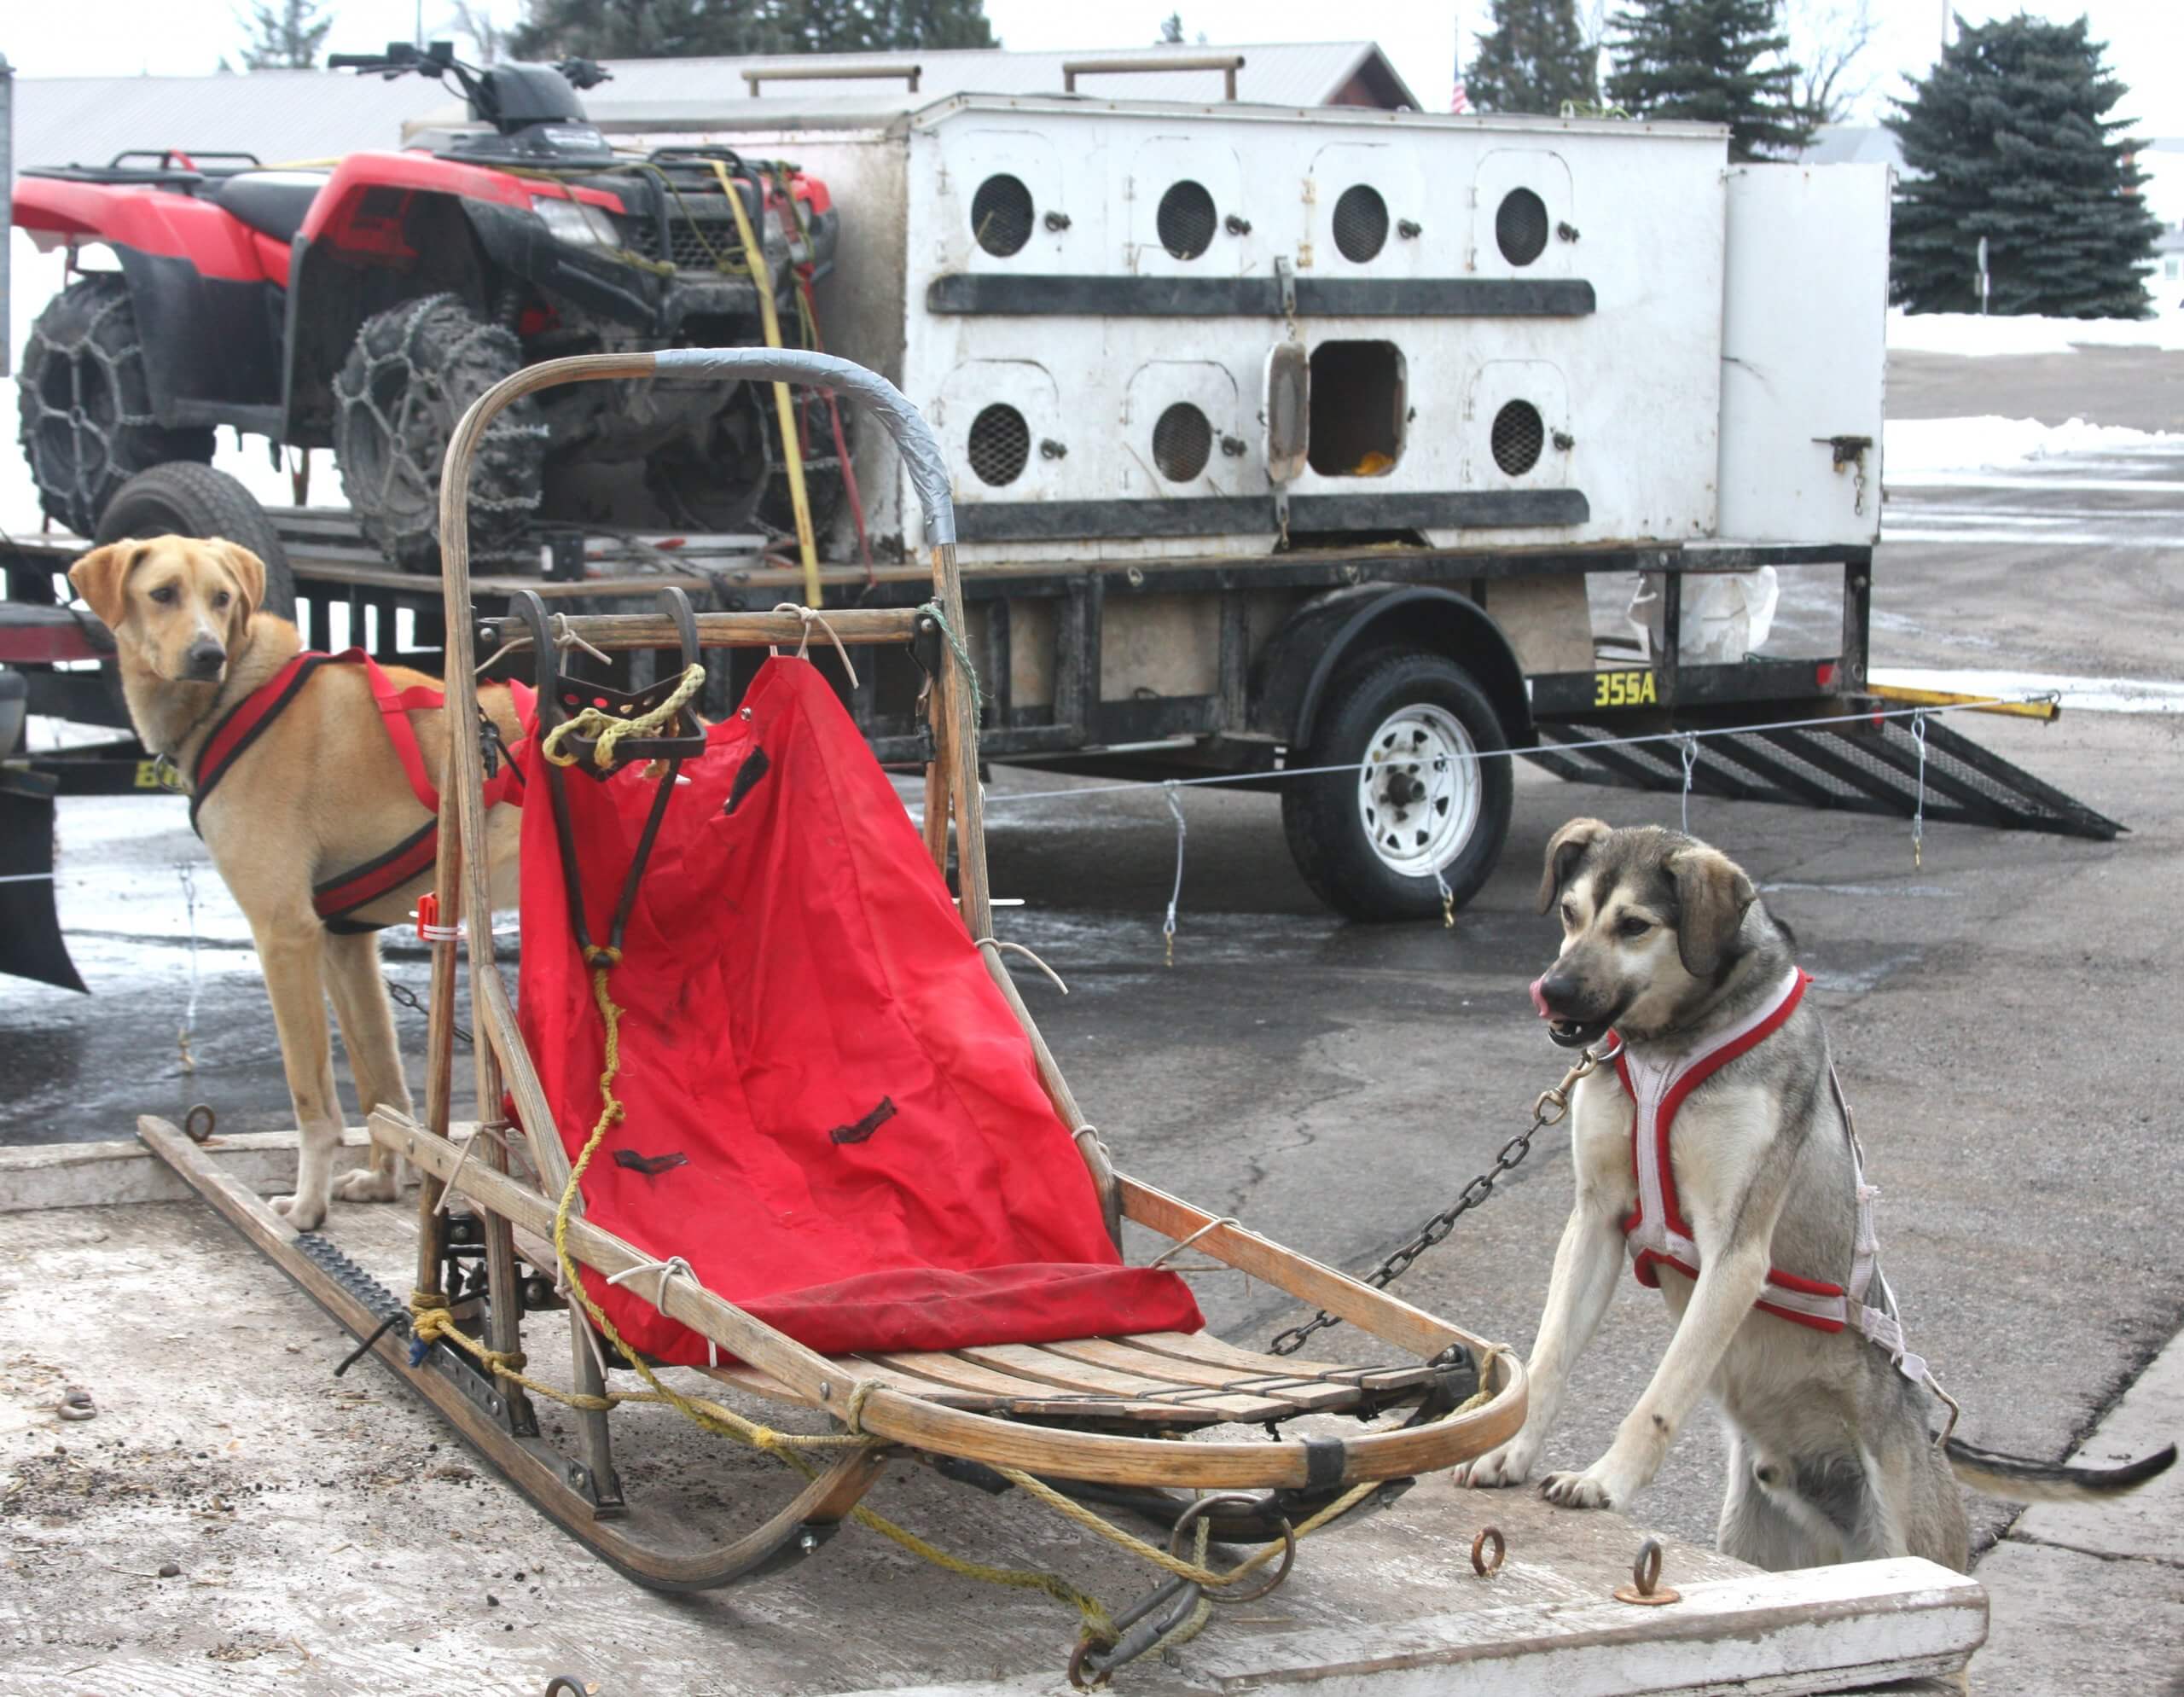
x,y
1991,443
2085,694
1968,333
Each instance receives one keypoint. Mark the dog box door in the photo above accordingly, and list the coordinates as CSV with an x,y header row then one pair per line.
x,y
998,186
1187,216
1369,215
1181,423
1516,426
1807,269
1001,421
1524,217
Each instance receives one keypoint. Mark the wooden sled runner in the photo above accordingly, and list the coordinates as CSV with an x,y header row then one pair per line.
x,y
1099,1417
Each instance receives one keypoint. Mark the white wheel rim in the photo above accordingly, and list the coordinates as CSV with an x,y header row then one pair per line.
x,y
1418,790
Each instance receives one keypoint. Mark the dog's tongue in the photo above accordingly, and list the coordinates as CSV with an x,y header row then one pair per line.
x,y
1538,1000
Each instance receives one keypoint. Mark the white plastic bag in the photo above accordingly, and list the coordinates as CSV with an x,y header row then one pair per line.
x,y
1726,616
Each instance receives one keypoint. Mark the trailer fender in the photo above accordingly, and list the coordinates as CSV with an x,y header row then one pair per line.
x,y
1332,632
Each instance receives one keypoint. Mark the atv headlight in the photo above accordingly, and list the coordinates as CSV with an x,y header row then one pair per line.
x,y
573,221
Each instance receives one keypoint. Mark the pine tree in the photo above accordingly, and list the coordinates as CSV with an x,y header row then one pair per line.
x,y
1534,58
681,29
2007,141
286,35
1715,61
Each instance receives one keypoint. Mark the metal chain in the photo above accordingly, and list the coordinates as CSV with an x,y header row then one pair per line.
x,y
1548,1110
96,450
408,998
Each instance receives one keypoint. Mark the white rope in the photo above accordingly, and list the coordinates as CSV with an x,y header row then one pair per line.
x,y
448,1184
1168,928
190,1008
565,637
997,945
1690,749
1182,1244
1918,812
811,617
666,1270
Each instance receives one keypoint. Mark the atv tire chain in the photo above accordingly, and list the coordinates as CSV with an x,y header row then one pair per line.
x,y
497,520
126,443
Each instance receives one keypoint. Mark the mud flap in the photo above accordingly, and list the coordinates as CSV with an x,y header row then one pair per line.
x,y
30,924
1870,766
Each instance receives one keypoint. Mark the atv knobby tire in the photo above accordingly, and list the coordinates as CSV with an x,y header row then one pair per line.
x,y
85,403
192,500
412,372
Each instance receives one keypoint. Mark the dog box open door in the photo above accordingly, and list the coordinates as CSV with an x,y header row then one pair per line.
x,y
1807,266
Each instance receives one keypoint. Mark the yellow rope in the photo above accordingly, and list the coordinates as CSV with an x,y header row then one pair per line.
x,y
784,409
610,728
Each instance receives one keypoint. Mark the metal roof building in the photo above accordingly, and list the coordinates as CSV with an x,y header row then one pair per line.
x,y
293,115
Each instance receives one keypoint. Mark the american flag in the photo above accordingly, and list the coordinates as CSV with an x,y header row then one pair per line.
x,y
1458,100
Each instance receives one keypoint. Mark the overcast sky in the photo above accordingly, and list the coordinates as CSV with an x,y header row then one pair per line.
x,y
185,37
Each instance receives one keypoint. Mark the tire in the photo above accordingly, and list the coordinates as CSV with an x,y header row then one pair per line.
x,y
411,373
714,486
192,500
1403,702
85,404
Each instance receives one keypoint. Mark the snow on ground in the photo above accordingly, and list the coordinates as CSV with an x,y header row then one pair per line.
x,y
1992,443
1968,333
2082,694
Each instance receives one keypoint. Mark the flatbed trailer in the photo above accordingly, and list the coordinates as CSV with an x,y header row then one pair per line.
x,y
1251,724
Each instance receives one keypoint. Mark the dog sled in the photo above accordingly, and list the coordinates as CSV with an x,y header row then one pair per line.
x,y
775,1113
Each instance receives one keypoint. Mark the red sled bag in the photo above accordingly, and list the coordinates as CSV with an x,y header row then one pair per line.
x,y
830,1112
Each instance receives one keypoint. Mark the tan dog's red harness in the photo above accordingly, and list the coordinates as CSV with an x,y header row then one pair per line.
x,y
1656,1232
343,894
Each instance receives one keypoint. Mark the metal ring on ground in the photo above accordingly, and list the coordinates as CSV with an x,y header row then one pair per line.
x,y
1077,1679
1250,1504
1479,1564
569,1683
189,1122
1645,1586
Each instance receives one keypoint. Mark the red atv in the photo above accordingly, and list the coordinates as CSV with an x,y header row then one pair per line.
x,y
364,307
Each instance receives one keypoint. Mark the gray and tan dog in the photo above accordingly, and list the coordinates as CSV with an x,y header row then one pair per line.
x,y
1720,1150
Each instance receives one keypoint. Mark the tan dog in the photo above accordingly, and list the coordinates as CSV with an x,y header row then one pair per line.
x,y
321,790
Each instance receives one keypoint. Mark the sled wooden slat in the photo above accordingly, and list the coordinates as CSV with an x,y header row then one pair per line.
x,y
1204,1346
955,1374
1274,1381
853,1367
1051,1367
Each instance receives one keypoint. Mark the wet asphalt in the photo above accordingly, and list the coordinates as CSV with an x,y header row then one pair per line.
x,y
1999,1010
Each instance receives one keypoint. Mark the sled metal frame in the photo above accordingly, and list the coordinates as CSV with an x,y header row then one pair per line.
x,y
1089,1413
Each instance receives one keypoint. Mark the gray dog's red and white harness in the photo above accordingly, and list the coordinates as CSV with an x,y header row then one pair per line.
x,y
1659,1235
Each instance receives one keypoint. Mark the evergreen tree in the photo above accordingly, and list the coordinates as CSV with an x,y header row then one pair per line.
x,y
286,35
2007,139
1534,58
680,29
1714,61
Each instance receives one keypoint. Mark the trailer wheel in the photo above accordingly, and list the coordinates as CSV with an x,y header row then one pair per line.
x,y
85,403
192,500
1414,798
410,375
